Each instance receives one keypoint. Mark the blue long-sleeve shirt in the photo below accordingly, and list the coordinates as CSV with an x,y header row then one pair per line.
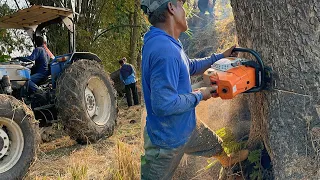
x,y
41,58
168,96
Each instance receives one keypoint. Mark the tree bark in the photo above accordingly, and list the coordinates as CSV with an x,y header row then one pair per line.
x,y
134,34
286,34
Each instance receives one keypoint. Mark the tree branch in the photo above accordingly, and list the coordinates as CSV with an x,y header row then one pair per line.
x,y
59,3
116,27
17,4
27,3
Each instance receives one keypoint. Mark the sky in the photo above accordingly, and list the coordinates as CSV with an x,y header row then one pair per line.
x,y
12,4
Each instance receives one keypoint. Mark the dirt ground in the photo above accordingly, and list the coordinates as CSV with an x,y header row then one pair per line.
x,y
119,156
113,158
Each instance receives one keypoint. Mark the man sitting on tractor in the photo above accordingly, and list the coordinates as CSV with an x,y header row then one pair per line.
x,y
40,71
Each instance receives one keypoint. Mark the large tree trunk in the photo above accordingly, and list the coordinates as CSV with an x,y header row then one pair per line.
x,y
134,34
286,118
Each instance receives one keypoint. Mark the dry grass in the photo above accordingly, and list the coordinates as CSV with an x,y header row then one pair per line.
x,y
117,157
127,165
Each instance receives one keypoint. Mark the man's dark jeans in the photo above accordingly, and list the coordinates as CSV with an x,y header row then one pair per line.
x,y
31,85
132,88
35,79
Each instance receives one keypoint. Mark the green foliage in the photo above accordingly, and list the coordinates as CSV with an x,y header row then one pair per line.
x,y
143,160
96,17
211,163
189,9
229,143
4,58
255,158
13,39
230,146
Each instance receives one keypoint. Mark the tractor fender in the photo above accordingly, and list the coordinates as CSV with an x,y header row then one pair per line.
x,y
84,55
57,66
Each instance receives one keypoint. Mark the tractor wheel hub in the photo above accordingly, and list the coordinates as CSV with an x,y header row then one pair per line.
x,y
4,143
90,102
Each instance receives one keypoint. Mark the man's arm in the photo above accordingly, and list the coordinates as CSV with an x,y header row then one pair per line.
x,y
32,57
198,66
35,54
165,99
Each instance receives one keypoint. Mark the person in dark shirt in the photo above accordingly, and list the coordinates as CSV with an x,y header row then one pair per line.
x,y
40,71
206,5
127,76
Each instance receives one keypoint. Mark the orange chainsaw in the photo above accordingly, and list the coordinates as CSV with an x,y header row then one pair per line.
x,y
235,75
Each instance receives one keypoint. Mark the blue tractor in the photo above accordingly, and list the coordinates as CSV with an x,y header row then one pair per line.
x,y
78,93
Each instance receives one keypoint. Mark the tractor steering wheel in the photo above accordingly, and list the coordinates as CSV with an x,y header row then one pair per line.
x,y
25,61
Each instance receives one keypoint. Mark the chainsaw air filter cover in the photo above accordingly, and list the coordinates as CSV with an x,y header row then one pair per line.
x,y
232,77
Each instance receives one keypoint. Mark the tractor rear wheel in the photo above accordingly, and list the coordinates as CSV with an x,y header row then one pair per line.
x,y
86,101
19,138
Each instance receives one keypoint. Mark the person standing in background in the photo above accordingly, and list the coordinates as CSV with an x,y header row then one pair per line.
x,y
127,76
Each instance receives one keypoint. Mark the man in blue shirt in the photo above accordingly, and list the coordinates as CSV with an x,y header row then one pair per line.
x,y
127,76
171,127
40,71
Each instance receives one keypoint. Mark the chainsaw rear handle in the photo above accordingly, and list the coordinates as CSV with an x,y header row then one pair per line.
x,y
262,68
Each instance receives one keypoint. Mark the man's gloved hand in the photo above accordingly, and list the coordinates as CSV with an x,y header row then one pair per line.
x,y
229,53
208,92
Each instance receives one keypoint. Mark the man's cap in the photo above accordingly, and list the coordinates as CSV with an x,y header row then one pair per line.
x,y
151,5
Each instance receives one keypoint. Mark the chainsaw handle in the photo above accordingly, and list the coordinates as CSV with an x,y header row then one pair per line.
x,y
260,62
